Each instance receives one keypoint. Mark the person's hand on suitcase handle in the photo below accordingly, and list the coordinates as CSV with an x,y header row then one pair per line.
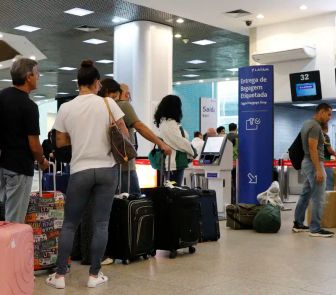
x,y
165,148
44,164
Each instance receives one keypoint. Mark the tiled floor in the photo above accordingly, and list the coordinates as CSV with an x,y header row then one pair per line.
x,y
241,262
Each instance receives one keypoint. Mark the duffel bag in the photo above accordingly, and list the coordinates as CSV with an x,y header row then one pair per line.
x,y
268,219
240,216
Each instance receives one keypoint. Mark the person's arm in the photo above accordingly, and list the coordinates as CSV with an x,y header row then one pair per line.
x,y
312,144
37,151
331,151
122,126
62,139
149,135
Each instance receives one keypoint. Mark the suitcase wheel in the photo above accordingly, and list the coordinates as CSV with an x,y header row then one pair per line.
x,y
126,262
173,254
192,250
153,253
145,256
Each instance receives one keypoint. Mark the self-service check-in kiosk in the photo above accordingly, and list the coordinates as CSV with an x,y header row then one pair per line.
x,y
216,159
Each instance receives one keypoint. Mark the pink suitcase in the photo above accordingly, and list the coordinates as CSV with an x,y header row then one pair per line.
x,y
16,259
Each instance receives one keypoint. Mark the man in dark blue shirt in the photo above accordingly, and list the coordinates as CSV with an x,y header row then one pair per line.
x,y
19,140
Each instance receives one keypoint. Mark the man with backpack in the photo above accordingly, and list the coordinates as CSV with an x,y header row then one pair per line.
x,y
313,169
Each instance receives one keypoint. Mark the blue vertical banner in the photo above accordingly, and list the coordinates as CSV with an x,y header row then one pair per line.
x,y
256,119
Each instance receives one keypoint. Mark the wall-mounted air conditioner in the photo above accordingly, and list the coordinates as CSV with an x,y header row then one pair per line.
x,y
305,52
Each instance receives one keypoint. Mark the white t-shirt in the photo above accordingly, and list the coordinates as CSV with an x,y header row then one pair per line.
x,y
86,120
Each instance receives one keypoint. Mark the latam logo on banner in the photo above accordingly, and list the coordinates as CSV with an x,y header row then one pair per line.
x,y
208,112
255,132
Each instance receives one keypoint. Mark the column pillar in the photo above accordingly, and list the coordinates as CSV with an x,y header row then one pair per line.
x,y
143,56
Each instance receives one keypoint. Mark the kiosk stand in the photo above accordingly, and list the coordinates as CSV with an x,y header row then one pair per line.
x,y
216,160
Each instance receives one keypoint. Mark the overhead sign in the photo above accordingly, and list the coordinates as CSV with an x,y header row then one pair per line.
x,y
255,132
208,113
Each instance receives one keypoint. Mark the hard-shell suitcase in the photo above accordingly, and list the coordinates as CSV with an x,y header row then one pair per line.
x,y
16,259
209,225
131,229
45,215
62,180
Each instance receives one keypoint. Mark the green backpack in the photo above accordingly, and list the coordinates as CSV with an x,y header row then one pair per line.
x,y
268,219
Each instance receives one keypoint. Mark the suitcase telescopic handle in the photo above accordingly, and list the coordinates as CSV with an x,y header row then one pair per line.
x,y
54,178
162,168
128,177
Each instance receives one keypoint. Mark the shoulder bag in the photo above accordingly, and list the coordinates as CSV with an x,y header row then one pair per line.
x,y
121,147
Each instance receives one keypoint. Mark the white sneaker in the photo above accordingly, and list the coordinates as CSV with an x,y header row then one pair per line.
x,y
107,261
58,283
94,282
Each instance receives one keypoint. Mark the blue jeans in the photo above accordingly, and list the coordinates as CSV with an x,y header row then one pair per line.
x,y
99,184
134,187
311,190
175,175
330,178
14,193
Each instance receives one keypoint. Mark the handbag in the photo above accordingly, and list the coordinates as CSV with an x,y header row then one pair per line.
x,y
156,157
121,147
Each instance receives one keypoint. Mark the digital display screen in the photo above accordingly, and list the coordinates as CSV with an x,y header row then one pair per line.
x,y
305,86
306,89
213,145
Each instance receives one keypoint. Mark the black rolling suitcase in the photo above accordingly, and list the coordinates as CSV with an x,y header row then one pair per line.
x,y
131,229
177,217
209,225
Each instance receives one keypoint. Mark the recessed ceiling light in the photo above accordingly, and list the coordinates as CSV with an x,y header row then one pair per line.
x,y
67,68
109,75
94,41
117,19
6,80
74,80
62,93
260,16
1,36
196,61
190,75
180,20
305,105
204,42
178,83
79,11
177,35
39,96
104,61
27,28
227,79
33,57
232,70
41,75
201,81
50,85
303,7
334,110
77,90
0,65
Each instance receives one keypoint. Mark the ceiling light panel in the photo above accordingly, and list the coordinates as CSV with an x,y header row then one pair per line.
x,y
305,105
180,20
196,61
79,11
27,28
109,75
67,68
50,85
190,75
177,35
104,61
204,42
117,19
260,16
62,93
232,70
303,7
6,80
95,41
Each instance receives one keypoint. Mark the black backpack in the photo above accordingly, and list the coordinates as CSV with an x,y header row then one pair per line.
x,y
296,152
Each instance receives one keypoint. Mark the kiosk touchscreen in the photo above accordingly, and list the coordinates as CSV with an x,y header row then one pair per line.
x,y
212,151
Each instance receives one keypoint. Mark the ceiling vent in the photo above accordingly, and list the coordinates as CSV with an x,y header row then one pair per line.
x,y
86,28
238,13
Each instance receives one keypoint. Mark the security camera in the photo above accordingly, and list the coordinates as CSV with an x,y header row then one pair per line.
x,y
248,22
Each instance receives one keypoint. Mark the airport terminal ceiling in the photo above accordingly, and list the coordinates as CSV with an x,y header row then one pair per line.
x,y
63,45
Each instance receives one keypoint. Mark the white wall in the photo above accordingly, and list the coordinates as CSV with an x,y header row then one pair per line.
x,y
47,112
318,32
